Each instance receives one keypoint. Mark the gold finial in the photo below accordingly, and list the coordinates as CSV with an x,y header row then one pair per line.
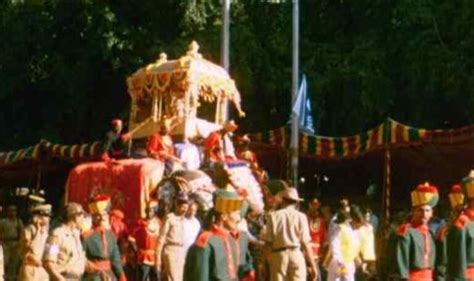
x,y
163,58
193,50
471,174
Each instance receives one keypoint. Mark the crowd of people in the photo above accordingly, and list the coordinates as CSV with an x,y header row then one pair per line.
x,y
231,243
290,239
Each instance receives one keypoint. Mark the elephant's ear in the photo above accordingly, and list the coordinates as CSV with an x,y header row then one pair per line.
x,y
202,203
221,177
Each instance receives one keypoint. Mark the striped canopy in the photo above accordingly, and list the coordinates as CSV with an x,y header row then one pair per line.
x,y
390,133
46,148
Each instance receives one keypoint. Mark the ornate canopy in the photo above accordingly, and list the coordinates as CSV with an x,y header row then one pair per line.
x,y
174,88
175,77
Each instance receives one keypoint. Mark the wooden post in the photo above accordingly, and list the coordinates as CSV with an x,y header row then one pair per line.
x,y
387,186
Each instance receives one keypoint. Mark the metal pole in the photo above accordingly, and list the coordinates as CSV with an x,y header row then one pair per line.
x,y
294,93
387,188
225,47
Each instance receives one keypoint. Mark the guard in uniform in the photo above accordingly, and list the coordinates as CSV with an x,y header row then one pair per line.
x,y
64,257
317,228
286,234
145,241
11,228
415,245
317,231
460,237
456,201
221,253
120,230
33,242
100,245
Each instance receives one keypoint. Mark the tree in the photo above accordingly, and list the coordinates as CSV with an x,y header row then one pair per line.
x,y
63,63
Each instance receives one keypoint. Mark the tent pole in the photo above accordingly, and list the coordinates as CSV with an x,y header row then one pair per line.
x,y
387,186
38,176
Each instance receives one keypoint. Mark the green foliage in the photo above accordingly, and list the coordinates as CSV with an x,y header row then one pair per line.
x,y
63,63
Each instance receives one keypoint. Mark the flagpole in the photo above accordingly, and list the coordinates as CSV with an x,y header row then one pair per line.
x,y
225,35
294,93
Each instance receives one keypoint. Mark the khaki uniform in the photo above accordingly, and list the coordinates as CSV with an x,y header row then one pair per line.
x,y
286,229
171,247
2,272
65,250
10,231
32,244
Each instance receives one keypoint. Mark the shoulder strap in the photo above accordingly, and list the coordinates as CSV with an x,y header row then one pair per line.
x,y
203,239
403,229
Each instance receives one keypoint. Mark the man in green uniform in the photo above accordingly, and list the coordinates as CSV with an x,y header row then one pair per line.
x,y
456,200
221,253
415,246
100,245
460,238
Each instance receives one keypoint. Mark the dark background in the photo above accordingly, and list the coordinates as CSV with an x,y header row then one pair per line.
x,y
63,66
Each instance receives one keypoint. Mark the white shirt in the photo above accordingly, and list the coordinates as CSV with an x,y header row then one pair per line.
x,y
192,226
344,246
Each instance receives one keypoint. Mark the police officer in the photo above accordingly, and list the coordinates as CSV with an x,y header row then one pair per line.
x,y
287,232
11,228
64,257
33,242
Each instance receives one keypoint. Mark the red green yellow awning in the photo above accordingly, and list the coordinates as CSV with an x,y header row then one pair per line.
x,y
390,133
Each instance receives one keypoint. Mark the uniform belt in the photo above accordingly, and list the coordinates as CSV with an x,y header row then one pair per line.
x,y
174,244
421,275
469,272
102,265
285,248
71,275
147,251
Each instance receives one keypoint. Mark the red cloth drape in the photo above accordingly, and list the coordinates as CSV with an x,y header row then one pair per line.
x,y
128,182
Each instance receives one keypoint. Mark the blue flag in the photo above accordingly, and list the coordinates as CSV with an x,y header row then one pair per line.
x,y
302,109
